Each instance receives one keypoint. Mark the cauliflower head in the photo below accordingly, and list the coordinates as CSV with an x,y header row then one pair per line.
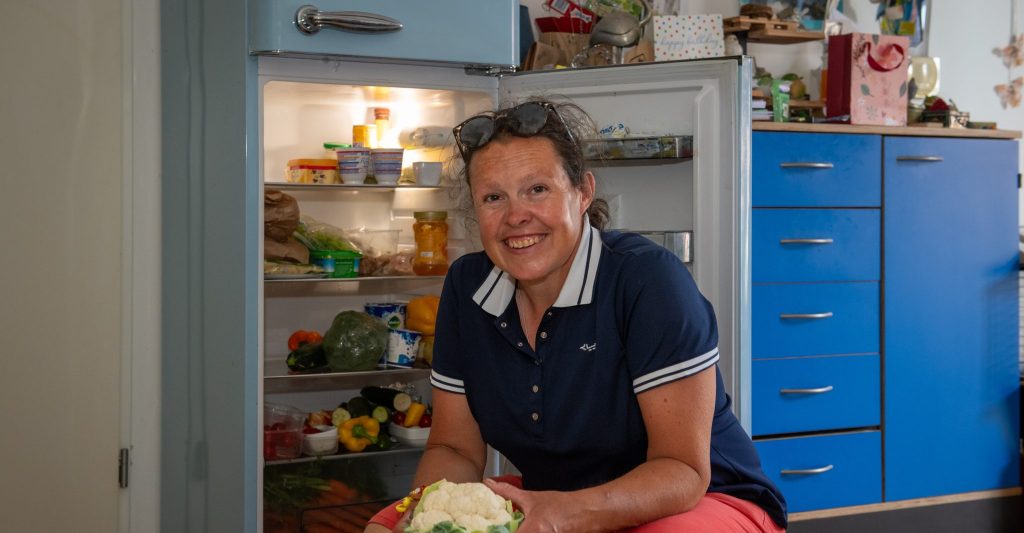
x,y
448,507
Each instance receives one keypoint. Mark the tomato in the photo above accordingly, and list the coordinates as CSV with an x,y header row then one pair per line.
x,y
398,417
425,421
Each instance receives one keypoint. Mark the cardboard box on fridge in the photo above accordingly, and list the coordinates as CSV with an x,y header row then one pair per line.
x,y
867,78
688,37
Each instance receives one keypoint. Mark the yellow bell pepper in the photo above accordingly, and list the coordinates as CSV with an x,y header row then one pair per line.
x,y
414,413
358,433
421,313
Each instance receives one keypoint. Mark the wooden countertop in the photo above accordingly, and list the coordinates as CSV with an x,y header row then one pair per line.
x,y
916,131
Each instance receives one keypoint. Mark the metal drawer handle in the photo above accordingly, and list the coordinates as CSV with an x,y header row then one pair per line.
x,y
805,316
806,165
806,241
920,158
310,20
807,471
819,390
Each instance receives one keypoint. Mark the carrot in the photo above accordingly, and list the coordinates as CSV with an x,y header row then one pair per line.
x,y
343,490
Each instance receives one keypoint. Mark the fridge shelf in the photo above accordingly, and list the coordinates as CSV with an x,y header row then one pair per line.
x,y
309,280
399,449
284,383
285,186
650,150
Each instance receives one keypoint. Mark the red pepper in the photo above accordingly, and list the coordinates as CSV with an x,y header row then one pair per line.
x,y
303,337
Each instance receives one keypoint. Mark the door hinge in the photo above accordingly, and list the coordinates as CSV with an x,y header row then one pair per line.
x,y
122,468
1018,180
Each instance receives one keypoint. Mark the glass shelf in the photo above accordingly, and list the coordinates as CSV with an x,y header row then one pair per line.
x,y
285,186
275,382
398,449
352,280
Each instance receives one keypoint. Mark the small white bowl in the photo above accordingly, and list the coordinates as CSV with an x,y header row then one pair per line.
x,y
323,443
414,436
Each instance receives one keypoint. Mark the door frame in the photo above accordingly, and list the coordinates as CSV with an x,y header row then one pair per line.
x,y
139,504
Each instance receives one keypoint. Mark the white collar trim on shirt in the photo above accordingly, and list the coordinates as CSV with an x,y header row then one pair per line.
x,y
499,288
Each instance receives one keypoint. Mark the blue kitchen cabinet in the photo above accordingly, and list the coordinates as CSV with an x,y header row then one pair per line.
x,y
816,269
896,320
951,316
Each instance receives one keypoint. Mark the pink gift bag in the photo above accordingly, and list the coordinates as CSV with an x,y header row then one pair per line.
x,y
867,78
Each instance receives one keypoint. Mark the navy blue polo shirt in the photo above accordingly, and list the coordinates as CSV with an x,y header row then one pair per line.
x,y
629,318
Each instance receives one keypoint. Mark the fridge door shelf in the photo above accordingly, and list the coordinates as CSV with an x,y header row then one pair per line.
x,y
309,279
284,186
638,150
397,449
285,383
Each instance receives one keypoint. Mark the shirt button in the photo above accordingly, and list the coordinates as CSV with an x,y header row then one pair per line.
x,y
536,362
504,324
519,344
535,388
543,334
535,417
550,313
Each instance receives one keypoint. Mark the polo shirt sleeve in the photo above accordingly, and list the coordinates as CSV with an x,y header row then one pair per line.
x,y
448,364
670,328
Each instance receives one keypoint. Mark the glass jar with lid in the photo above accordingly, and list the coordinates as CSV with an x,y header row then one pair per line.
x,y
431,233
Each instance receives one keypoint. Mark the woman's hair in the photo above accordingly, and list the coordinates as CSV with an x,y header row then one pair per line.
x,y
565,136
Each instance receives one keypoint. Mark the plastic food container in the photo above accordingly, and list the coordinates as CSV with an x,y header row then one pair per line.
x,y
323,443
324,171
414,436
403,347
282,432
336,263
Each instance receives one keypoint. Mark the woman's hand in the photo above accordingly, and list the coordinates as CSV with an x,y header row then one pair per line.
x,y
544,512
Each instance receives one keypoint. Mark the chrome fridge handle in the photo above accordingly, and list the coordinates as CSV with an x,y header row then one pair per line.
x,y
310,20
806,471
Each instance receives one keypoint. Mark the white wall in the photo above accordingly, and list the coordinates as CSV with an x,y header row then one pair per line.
x,y
60,235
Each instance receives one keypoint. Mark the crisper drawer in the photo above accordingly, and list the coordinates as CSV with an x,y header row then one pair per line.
x,y
825,471
815,393
816,170
815,245
487,32
792,319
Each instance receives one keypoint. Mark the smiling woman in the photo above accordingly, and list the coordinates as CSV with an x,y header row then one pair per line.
x,y
592,362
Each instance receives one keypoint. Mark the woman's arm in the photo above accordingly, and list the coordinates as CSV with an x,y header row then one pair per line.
x,y
674,478
455,450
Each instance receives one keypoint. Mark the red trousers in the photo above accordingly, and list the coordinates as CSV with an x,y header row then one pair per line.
x,y
715,513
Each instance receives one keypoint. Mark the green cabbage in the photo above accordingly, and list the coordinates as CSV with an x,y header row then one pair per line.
x,y
355,341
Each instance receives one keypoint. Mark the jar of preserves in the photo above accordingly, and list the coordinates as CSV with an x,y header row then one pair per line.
x,y
431,233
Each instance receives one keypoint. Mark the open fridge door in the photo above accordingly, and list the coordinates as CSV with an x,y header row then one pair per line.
x,y
692,192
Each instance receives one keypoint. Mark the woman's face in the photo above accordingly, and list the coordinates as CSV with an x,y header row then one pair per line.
x,y
529,213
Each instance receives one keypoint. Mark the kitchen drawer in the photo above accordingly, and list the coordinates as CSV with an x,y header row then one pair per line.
x,y
815,245
838,470
815,393
792,319
816,170
488,32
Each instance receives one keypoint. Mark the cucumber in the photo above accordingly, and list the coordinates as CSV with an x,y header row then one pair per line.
x,y
359,406
390,398
307,357
381,414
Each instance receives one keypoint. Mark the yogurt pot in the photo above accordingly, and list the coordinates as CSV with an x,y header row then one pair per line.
x,y
392,314
353,164
403,345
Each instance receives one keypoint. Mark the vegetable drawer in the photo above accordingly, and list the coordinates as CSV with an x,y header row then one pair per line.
x,y
816,245
815,393
793,319
819,472
487,31
816,170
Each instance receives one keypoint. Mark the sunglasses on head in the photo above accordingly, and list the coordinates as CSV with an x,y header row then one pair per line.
x,y
522,120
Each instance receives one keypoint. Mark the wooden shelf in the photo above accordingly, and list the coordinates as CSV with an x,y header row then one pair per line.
x,y
806,104
769,31
916,131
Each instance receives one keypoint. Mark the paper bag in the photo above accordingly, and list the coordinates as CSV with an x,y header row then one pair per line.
x,y
688,37
568,45
867,78
280,220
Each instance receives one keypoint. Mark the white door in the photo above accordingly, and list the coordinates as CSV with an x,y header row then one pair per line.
x,y
74,302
